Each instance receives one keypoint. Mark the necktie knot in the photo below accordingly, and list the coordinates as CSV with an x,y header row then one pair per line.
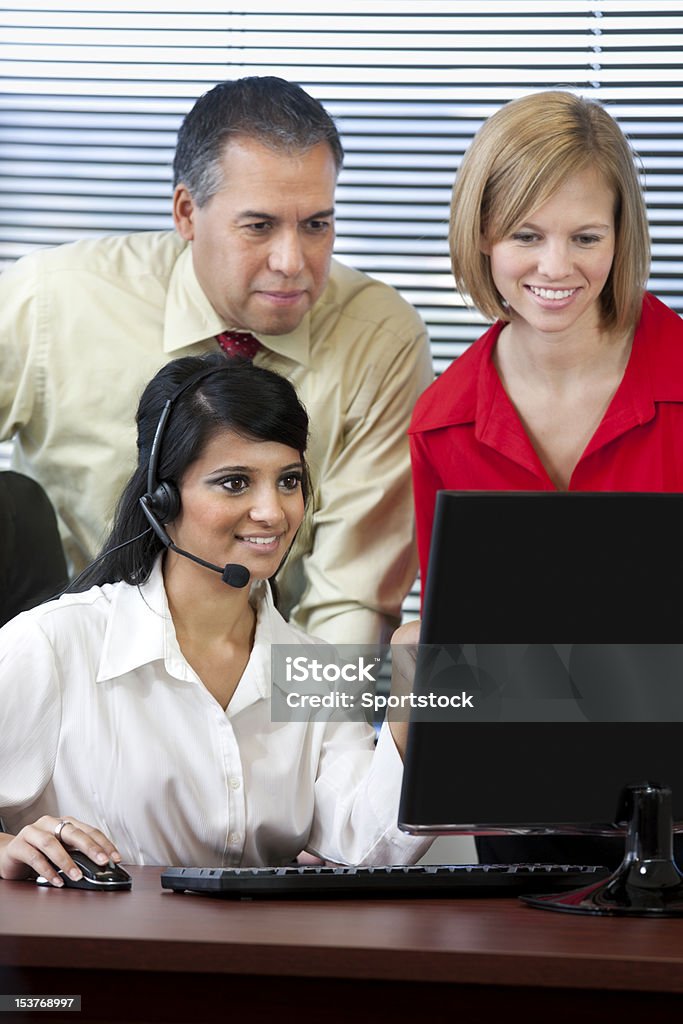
x,y
239,344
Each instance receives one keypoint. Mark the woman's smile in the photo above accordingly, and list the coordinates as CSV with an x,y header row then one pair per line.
x,y
241,501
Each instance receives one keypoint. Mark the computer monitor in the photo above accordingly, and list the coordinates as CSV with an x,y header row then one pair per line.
x,y
557,732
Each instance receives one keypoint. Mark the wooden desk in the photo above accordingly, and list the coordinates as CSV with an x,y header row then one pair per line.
x,y
152,955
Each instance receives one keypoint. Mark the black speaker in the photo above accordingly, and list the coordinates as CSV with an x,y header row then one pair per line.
x,y
164,501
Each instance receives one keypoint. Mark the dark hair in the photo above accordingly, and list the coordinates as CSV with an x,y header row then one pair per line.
x,y
270,110
249,400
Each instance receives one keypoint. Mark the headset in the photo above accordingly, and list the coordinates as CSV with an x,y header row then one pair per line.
x,y
161,502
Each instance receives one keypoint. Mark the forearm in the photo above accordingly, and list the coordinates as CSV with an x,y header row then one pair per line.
x,y
404,647
399,733
357,800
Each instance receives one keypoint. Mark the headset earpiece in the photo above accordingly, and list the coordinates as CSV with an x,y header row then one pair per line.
x,y
163,497
164,501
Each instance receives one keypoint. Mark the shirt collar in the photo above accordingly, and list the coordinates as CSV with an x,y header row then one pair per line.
x,y
654,373
189,317
295,346
459,404
633,404
496,421
140,631
660,334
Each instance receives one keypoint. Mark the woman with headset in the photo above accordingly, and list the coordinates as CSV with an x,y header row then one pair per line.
x,y
135,710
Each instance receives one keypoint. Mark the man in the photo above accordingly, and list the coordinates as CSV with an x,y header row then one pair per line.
x,y
84,325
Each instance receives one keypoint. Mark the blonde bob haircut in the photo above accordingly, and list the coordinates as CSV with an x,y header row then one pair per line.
x,y
515,163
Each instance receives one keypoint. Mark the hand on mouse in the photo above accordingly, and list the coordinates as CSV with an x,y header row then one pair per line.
x,y
39,848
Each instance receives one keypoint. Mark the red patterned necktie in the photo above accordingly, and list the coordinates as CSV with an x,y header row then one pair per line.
x,y
239,343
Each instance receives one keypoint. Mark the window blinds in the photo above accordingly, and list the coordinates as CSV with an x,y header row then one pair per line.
x,y
92,94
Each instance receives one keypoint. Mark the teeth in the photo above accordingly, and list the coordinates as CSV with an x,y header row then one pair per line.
x,y
551,293
259,540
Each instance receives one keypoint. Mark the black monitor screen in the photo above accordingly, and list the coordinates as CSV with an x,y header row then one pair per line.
x,y
555,731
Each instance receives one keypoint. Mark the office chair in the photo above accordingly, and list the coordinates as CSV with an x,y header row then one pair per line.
x,y
32,563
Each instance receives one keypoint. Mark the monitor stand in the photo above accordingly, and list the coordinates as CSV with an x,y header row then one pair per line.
x,y
647,883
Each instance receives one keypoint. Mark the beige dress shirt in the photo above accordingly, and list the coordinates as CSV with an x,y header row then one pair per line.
x,y
84,326
103,719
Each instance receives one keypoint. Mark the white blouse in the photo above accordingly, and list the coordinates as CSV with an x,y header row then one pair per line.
x,y
103,719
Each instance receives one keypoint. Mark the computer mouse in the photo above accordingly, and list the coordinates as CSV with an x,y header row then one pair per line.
x,y
108,877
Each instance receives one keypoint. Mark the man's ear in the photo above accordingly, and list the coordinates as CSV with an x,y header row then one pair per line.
x,y
183,212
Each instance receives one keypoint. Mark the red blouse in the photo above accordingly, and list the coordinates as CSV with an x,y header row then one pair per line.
x,y
466,435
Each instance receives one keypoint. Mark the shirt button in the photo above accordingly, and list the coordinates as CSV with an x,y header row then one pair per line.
x,y
235,782
234,838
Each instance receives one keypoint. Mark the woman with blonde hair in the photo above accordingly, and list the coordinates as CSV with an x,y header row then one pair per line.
x,y
578,384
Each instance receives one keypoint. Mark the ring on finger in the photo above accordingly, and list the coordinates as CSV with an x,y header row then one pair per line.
x,y
60,825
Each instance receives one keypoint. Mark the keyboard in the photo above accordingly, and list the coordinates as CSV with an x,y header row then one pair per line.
x,y
312,881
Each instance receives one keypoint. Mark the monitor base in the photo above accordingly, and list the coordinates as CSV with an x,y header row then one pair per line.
x,y
647,883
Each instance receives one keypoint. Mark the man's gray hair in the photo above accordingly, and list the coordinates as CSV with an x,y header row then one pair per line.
x,y
276,113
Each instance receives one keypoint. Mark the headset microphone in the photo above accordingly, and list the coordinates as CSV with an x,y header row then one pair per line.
x,y
233,574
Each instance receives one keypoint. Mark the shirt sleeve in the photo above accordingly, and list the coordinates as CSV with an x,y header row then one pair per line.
x,y
17,342
364,559
357,796
30,714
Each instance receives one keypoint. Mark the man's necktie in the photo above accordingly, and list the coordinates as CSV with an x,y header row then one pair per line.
x,y
239,344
